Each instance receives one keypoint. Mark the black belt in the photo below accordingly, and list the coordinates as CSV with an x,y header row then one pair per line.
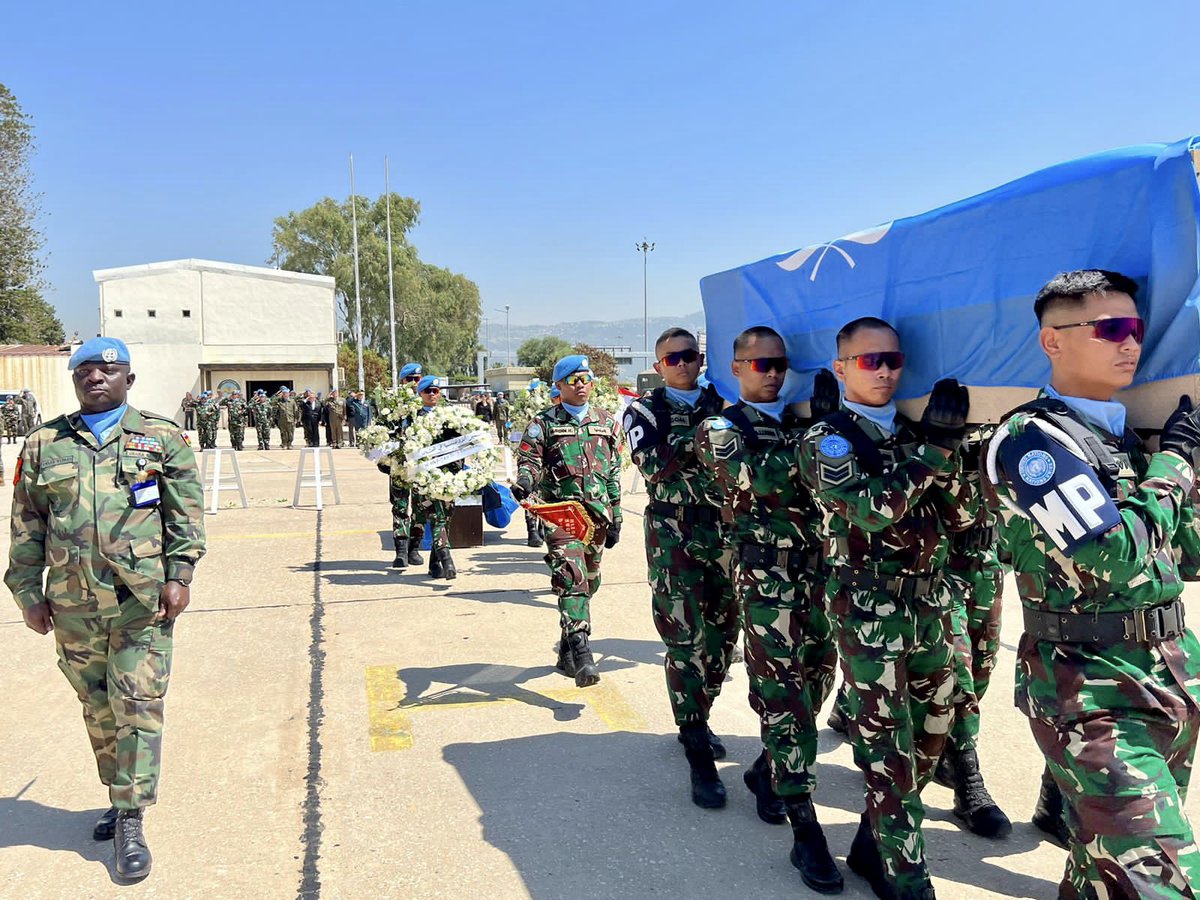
x,y
681,512
902,587
1146,625
769,556
980,537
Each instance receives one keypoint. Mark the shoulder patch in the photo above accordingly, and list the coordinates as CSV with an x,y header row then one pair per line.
x,y
834,446
534,430
719,423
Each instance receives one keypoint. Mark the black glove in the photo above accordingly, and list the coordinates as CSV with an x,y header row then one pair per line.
x,y
520,491
612,535
1181,433
826,395
945,419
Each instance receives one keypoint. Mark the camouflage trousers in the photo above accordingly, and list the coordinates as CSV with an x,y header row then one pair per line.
x,y
409,513
287,434
790,660
263,433
898,665
120,668
694,610
1124,775
237,435
574,576
975,605
437,513
207,429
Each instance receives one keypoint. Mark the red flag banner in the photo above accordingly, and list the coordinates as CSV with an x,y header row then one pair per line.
x,y
567,515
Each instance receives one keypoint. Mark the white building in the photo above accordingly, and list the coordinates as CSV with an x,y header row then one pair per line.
x,y
194,325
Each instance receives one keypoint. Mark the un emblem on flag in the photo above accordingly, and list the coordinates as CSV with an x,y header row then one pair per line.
x,y
1036,467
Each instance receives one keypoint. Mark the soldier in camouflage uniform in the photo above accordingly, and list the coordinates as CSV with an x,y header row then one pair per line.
x,y
408,518
750,451
890,490
11,415
975,578
261,414
436,512
1106,671
208,417
334,415
286,411
237,413
108,507
687,552
572,452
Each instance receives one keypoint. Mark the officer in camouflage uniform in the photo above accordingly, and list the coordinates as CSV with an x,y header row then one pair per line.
x,y
1106,671
572,452
237,414
286,412
750,451
535,528
208,417
687,552
890,489
436,512
261,414
408,518
11,414
975,578
108,507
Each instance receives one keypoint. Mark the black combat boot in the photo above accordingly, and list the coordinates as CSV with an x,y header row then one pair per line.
x,y
435,564
133,856
810,853
1050,814
414,553
865,862
586,673
533,533
106,826
707,790
972,802
767,803
718,748
566,659
401,560
449,573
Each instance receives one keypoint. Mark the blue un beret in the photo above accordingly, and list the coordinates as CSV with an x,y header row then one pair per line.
x,y
411,369
569,365
100,350
427,382
555,393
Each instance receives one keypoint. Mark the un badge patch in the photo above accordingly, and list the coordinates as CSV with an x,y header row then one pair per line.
x,y
1036,467
534,431
834,446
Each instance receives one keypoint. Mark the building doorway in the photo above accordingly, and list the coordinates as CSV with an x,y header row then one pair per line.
x,y
271,387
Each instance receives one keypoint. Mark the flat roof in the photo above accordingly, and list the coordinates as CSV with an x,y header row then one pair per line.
x,y
208,265
37,349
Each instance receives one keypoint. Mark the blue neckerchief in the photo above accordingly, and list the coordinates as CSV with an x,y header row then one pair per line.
x,y
1106,414
686,398
883,416
774,410
579,412
101,423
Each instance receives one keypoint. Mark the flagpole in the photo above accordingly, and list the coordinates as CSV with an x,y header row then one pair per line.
x,y
387,190
357,289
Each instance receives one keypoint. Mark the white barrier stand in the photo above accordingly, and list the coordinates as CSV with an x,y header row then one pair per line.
x,y
508,464
317,480
636,485
221,478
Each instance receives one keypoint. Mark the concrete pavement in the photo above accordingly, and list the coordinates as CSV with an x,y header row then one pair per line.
x,y
339,729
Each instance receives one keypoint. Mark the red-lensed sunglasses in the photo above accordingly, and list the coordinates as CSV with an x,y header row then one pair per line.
x,y
1113,330
677,357
764,364
893,359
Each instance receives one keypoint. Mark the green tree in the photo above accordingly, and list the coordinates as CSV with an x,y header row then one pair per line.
x,y
604,364
542,353
376,369
437,311
25,315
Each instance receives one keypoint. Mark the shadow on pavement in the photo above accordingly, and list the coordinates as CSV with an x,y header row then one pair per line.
x,y
480,683
27,823
609,815
648,652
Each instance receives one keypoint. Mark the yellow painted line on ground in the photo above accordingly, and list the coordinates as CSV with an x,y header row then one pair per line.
x,y
275,535
389,728
606,702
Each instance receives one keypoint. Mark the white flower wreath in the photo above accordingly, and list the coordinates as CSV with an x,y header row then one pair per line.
x,y
394,405
477,452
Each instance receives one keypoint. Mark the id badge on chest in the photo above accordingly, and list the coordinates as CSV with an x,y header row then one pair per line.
x,y
145,493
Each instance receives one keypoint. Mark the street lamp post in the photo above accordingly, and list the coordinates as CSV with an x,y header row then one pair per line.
x,y
644,248
507,335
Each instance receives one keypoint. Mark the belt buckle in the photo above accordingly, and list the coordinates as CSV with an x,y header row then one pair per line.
x,y
1139,626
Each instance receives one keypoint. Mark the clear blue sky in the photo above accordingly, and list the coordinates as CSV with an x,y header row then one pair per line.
x,y
544,139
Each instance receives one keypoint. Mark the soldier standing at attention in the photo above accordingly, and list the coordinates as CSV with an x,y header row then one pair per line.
x,y
687,552
260,417
108,506
310,419
334,416
779,575
11,414
237,414
572,452
208,414
890,489
501,414
1106,671
188,405
287,416
408,517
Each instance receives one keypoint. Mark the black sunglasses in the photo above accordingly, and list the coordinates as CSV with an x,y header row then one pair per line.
x,y
680,357
764,364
